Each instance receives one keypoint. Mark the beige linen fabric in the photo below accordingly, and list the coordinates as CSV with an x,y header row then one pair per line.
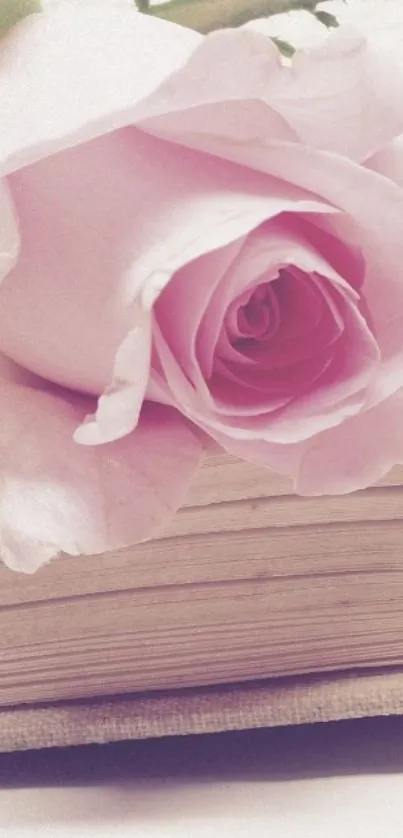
x,y
271,703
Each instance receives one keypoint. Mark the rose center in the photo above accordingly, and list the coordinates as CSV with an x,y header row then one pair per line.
x,y
253,317
281,333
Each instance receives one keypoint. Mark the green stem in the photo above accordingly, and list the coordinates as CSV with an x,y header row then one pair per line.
x,y
208,15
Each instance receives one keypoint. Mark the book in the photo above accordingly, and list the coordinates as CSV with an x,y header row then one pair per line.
x,y
247,582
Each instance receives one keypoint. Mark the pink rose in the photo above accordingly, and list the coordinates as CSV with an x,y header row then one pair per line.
x,y
289,350
185,220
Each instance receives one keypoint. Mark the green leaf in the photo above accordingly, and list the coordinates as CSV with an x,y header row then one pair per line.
x,y
208,15
12,11
284,47
327,19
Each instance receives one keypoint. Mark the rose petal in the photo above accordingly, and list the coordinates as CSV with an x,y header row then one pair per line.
x,y
120,405
58,496
339,96
9,236
92,62
339,392
283,459
389,161
389,376
61,312
352,456
380,20
186,298
356,454
241,65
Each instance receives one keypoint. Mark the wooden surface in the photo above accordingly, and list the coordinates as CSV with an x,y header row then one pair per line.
x,y
247,582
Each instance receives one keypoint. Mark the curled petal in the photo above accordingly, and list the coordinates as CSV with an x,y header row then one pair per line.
x,y
340,96
389,161
356,454
344,459
120,405
283,459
